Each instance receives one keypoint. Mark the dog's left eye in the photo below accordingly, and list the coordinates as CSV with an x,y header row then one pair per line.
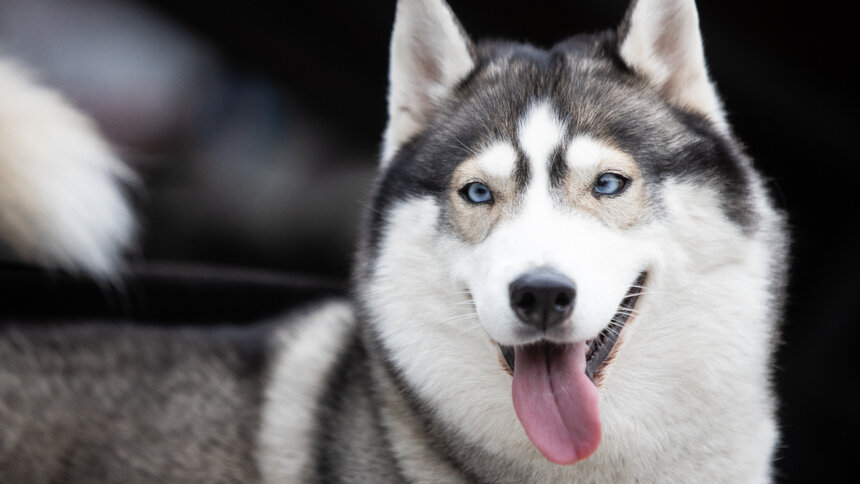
x,y
477,192
609,184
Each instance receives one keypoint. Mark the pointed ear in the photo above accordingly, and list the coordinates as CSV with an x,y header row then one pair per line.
x,y
430,54
660,40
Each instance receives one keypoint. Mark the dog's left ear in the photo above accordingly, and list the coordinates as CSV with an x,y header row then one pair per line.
x,y
430,54
660,40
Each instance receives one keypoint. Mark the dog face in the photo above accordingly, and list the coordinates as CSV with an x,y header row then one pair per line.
x,y
539,231
548,165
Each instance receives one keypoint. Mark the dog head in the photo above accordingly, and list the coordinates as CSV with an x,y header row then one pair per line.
x,y
529,197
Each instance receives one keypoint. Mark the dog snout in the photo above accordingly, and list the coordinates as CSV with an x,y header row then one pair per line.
x,y
543,298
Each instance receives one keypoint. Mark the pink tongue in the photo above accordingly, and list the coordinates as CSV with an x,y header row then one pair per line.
x,y
556,401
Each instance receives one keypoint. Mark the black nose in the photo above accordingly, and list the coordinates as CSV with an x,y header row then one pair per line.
x,y
543,298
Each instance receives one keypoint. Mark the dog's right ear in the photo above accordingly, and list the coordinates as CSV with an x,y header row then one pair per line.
x,y
430,54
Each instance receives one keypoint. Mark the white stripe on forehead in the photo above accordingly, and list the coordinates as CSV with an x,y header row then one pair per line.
x,y
539,133
498,160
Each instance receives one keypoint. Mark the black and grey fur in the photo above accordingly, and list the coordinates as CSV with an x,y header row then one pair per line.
x,y
112,403
406,381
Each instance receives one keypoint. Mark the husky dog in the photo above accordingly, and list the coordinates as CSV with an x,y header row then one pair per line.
x,y
570,272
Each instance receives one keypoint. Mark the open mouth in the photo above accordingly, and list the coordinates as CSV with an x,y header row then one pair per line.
x,y
554,387
599,348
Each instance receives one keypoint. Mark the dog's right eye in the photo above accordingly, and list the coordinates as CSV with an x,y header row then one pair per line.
x,y
477,192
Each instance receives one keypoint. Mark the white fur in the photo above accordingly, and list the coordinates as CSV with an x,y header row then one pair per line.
x,y
602,262
309,346
585,154
692,374
664,43
498,160
429,55
61,199
539,133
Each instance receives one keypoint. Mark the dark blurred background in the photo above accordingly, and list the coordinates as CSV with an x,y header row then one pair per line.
x,y
255,128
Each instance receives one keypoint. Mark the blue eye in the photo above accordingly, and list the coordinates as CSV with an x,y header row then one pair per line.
x,y
609,184
477,192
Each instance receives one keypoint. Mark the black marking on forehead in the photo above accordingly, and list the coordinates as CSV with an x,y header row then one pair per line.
x,y
522,170
558,166
589,87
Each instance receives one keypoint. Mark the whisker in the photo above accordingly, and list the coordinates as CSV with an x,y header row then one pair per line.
x,y
469,328
465,148
459,317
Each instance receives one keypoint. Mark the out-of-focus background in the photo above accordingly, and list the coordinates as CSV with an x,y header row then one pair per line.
x,y
255,127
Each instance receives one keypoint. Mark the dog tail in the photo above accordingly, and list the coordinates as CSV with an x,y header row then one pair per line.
x,y
62,189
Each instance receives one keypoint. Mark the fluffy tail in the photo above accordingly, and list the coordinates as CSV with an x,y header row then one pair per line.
x,y
62,203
